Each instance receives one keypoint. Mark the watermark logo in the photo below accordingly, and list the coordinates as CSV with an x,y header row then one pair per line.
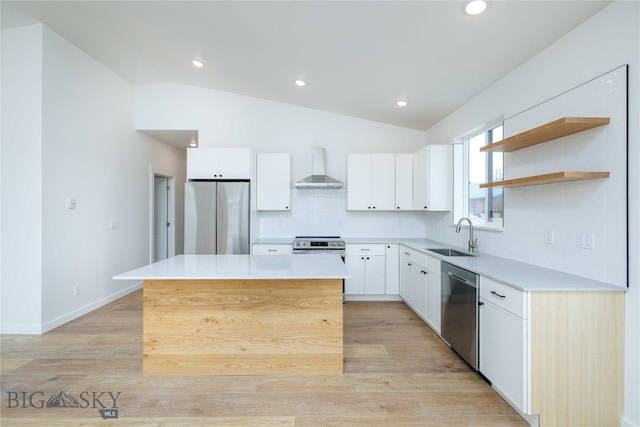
x,y
106,402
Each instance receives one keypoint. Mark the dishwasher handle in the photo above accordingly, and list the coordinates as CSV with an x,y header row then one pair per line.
x,y
460,279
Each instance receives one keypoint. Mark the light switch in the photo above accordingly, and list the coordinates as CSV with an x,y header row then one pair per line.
x,y
71,202
114,223
548,236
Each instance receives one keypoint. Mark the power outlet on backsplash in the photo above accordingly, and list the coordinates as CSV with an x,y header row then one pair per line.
x,y
585,240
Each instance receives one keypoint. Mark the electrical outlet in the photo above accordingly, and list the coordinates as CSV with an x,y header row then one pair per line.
x,y
114,224
585,240
76,290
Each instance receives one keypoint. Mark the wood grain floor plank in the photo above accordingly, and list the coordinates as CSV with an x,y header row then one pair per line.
x,y
398,372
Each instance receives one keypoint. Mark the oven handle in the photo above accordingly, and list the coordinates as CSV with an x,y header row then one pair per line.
x,y
315,251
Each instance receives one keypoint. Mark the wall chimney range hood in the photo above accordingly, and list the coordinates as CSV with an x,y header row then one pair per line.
x,y
319,178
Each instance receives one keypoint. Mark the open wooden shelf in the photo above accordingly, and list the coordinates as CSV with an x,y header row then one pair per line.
x,y
550,178
547,132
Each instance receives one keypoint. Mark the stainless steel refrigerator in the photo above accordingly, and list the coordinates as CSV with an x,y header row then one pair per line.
x,y
216,217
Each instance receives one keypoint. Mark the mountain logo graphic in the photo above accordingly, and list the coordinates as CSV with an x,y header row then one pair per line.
x,y
62,400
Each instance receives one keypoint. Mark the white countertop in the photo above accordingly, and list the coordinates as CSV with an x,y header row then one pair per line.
x,y
241,267
519,275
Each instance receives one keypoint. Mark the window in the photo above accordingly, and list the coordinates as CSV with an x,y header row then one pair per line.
x,y
483,206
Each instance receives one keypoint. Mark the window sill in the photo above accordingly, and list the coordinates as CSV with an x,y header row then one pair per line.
x,y
480,227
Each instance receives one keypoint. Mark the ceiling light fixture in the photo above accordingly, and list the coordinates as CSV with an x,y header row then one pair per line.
x,y
197,63
401,103
475,7
301,83
193,144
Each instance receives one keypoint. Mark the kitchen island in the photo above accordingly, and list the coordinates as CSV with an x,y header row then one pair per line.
x,y
242,315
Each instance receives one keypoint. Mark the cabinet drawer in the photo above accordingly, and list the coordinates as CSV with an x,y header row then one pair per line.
x,y
365,250
506,297
406,253
272,249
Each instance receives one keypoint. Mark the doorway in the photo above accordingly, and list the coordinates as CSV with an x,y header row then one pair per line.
x,y
163,218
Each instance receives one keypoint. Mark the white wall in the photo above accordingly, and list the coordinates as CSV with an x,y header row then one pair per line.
x,y
92,152
604,42
21,179
229,120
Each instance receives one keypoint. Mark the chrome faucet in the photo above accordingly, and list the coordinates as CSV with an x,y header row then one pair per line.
x,y
473,243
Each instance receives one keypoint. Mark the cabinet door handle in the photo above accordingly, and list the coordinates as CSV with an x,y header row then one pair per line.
x,y
409,264
367,257
498,295
272,250
365,249
407,253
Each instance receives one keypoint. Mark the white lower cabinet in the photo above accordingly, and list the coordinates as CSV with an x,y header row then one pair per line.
x,y
418,290
433,304
366,265
555,356
413,280
405,261
502,338
391,269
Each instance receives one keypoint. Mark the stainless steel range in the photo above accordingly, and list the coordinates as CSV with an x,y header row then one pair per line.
x,y
319,245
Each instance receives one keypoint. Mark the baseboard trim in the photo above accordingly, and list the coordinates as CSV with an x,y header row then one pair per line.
x,y
20,329
59,321
353,297
626,422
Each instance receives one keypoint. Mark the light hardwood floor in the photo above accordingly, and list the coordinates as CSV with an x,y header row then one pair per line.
x,y
398,372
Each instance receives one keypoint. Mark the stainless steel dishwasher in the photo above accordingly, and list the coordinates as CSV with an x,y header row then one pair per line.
x,y
459,315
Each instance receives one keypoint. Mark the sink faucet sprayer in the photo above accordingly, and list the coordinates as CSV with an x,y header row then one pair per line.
x,y
473,243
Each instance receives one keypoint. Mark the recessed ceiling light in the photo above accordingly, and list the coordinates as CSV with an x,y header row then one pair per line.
x,y
193,144
475,7
197,63
401,103
300,83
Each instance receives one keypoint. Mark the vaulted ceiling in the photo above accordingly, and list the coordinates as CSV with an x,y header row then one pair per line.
x,y
357,57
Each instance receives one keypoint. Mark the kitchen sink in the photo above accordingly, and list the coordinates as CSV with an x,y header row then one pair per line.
x,y
449,252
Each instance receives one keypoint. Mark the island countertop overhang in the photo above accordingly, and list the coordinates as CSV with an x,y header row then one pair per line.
x,y
241,267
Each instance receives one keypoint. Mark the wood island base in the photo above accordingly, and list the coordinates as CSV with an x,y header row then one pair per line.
x,y
243,327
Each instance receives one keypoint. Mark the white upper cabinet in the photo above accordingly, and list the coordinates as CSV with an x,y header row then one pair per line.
x,y
404,181
433,178
273,181
371,182
383,188
359,181
218,163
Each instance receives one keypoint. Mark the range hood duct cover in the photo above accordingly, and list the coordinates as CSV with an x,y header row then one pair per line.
x,y
319,179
